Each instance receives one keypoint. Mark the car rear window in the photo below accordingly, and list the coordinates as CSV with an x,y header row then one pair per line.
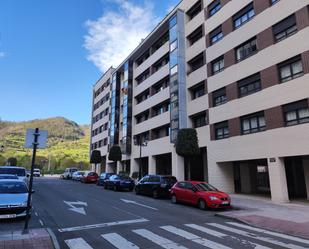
x,y
169,179
12,187
13,171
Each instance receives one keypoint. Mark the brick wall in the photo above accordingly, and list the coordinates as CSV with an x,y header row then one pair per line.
x,y
269,77
274,118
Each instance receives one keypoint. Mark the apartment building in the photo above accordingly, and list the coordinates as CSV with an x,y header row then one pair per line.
x,y
237,72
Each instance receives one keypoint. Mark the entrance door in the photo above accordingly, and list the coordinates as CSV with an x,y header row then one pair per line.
x,y
295,177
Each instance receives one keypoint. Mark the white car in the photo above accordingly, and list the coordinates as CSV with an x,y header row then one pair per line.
x,y
77,175
68,173
37,172
13,198
20,172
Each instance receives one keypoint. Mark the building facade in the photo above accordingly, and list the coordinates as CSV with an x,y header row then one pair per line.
x,y
237,72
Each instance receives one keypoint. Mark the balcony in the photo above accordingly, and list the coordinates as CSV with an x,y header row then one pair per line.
x,y
197,76
196,48
194,23
152,123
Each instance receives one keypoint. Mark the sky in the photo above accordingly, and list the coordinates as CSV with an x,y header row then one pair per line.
x,y
53,51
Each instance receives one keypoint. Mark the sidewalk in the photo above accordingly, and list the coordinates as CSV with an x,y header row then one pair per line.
x,y
289,218
35,239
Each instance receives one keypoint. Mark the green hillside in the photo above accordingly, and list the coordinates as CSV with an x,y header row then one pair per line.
x,y
68,143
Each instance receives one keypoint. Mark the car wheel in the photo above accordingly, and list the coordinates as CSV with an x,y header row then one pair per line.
x,y
130,189
155,194
105,186
202,204
174,199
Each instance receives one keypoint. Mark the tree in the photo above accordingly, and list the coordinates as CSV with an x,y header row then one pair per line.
x,y
187,144
115,154
12,161
95,157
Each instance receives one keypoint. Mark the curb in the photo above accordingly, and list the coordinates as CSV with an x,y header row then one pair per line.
x,y
257,226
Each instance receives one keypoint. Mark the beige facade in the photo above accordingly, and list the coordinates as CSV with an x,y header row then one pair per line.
x,y
247,95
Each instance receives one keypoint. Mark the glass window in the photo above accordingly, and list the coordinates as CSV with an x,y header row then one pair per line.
x,y
243,16
218,65
173,58
214,7
289,71
221,130
173,21
173,45
174,70
253,123
173,33
246,50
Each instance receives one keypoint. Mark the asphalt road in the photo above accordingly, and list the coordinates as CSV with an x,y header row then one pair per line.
x,y
85,216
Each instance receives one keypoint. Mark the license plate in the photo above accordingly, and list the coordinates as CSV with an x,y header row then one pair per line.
x,y
7,216
225,202
127,182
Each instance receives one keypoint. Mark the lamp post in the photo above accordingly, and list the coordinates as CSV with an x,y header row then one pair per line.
x,y
141,144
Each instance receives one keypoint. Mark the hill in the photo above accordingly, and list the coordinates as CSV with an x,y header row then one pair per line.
x,y
68,143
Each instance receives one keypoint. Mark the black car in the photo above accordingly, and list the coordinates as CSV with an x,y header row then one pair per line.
x,y
119,182
103,177
155,185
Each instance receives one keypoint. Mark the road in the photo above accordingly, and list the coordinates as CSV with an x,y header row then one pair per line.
x,y
85,216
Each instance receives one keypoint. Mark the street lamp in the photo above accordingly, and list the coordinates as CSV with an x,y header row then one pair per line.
x,y
138,141
1,148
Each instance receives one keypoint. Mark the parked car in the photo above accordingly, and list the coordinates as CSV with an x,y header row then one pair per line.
x,y
201,194
155,185
89,177
77,175
103,177
37,172
20,172
13,198
119,182
68,173
8,176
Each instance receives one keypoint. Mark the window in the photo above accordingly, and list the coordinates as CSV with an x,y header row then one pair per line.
x,y
217,65
285,28
245,50
214,7
195,9
196,62
296,113
219,97
195,35
273,1
222,130
243,16
216,35
291,69
199,120
249,85
198,91
253,123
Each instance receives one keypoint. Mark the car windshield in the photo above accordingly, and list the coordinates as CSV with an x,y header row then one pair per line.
x,y
12,187
169,179
13,171
205,187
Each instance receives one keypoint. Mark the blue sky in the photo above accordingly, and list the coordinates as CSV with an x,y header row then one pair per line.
x,y
53,51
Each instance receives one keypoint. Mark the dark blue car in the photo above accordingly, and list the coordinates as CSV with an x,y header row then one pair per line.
x,y
119,182
103,177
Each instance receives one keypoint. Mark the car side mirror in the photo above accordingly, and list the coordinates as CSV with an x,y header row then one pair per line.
x,y
28,175
32,191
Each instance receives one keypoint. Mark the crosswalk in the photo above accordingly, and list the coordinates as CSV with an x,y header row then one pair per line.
x,y
228,235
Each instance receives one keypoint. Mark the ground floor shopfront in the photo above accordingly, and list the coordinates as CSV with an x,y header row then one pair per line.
x,y
281,178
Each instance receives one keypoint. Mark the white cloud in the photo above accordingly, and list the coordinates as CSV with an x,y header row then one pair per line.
x,y
2,54
113,36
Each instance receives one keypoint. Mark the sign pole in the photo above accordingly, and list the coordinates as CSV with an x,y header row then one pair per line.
x,y
35,145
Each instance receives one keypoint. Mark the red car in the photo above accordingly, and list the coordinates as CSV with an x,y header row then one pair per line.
x,y
201,194
90,177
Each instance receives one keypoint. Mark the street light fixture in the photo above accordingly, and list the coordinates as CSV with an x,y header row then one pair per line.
x,y
138,141
1,148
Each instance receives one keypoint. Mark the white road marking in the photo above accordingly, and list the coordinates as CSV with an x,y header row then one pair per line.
x,y
41,222
77,243
225,236
54,238
36,214
79,210
254,236
108,224
163,242
284,236
118,241
138,204
194,238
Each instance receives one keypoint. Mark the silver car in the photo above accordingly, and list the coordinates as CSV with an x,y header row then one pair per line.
x,y
20,172
13,198
77,175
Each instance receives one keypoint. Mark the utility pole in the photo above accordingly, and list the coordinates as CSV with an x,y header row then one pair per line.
x,y
35,145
